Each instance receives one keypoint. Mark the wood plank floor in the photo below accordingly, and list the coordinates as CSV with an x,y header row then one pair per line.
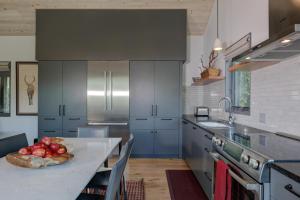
x,y
154,175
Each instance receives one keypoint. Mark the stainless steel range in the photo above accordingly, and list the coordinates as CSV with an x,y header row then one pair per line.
x,y
249,156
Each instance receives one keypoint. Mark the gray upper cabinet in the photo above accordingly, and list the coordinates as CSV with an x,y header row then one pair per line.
x,y
141,88
74,87
111,34
50,90
167,87
62,97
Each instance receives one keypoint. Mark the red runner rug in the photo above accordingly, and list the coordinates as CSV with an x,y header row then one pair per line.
x,y
183,185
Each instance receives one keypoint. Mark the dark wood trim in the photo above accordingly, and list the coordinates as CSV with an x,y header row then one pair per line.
x,y
17,88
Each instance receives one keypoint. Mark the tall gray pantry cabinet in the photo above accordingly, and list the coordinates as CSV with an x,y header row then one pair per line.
x,y
155,107
62,97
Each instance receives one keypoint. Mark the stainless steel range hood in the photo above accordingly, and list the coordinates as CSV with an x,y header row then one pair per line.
x,y
284,39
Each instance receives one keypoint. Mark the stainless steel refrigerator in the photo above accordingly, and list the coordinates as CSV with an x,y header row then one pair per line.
x,y
108,96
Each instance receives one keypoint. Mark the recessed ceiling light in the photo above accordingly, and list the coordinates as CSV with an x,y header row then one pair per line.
x,y
285,41
248,58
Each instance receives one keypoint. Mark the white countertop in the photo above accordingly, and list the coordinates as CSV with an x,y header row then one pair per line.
x,y
61,182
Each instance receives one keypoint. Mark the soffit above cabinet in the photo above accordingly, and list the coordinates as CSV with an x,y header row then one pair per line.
x,y
111,34
18,16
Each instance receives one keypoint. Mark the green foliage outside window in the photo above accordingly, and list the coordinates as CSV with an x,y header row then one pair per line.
x,y
241,89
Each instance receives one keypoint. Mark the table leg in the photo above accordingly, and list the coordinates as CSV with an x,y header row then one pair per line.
x,y
120,147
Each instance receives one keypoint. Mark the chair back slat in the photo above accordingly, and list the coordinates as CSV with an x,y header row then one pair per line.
x,y
12,144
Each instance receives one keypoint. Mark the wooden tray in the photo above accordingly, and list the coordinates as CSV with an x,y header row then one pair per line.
x,y
30,161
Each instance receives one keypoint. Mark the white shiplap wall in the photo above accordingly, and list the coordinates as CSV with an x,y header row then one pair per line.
x,y
275,92
192,96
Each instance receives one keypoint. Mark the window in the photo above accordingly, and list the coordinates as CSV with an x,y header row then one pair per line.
x,y
4,89
239,89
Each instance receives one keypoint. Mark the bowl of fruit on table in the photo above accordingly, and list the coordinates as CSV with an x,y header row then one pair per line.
x,y
47,152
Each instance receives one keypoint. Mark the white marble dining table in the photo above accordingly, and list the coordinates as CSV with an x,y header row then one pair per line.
x,y
60,182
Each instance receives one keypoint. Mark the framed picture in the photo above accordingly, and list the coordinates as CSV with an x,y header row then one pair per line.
x,y
27,88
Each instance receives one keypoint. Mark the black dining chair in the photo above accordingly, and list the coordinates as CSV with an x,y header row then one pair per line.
x,y
101,178
113,187
12,144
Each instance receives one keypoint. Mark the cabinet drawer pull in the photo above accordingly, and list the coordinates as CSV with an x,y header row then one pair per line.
x,y
194,128
49,131
166,119
74,119
49,119
289,188
141,119
210,138
207,176
72,131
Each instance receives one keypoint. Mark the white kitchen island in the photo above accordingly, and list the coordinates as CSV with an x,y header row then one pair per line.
x,y
60,182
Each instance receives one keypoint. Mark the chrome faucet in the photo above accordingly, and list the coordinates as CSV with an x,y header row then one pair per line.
x,y
231,118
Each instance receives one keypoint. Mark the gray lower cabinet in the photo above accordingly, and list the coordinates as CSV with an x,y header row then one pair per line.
x,y
155,107
196,145
166,143
62,97
143,142
184,139
197,154
282,187
208,163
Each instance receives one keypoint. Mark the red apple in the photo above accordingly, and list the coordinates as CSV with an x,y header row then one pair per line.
x,y
54,146
61,150
39,152
25,151
46,140
55,154
37,146
48,154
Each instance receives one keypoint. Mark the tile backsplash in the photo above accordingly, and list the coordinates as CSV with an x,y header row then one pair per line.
x,y
275,98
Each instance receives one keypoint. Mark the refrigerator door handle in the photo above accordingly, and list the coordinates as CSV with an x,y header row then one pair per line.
x,y
111,90
105,89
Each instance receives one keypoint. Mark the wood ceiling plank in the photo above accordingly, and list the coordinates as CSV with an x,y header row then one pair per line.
x,y
17,17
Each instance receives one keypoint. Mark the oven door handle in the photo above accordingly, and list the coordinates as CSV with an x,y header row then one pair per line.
x,y
214,156
245,184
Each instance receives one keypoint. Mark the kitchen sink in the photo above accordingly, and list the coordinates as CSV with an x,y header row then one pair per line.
x,y
213,124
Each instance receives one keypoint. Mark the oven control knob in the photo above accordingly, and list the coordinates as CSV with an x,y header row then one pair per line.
x,y
245,158
218,142
254,163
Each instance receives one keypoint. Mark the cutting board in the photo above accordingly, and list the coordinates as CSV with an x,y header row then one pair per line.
x,y
30,161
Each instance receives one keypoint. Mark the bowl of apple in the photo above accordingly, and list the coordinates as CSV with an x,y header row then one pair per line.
x,y
47,152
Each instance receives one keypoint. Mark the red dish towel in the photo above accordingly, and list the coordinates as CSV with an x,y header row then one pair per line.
x,y
222,181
